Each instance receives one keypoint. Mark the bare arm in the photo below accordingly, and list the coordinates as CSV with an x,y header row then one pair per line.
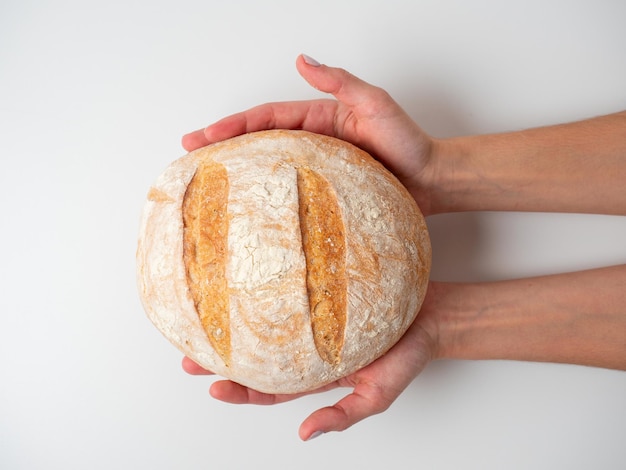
x,y
576,318
576,167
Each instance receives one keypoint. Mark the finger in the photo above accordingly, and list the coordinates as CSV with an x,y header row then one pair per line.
x,y
314,116
232,392
344,86
363,402
317,116
193,368
237,394
194,140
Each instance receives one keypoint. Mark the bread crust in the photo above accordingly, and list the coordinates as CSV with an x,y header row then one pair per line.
x,y
387,260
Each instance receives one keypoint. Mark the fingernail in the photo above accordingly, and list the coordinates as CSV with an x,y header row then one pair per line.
x,y
314,435
310,60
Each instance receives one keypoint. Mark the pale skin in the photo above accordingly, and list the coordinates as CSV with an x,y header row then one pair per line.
x,y
576,318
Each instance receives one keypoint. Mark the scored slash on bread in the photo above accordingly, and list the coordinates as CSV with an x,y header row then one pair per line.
x,y
323,242
205,252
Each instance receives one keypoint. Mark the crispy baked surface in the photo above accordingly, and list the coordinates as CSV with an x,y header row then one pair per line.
x,y
324,245
205,251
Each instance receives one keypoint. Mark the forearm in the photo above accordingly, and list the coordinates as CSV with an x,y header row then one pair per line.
x,y
577,167
577,318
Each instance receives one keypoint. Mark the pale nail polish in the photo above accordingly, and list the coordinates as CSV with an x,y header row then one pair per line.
x,y
310,60
314,435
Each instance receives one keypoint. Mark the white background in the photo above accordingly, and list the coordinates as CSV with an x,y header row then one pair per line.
x,y
94,97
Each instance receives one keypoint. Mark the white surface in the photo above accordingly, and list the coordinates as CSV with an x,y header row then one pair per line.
x,y
94,97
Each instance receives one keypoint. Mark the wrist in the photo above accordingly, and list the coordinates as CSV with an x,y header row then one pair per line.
x,y
433,320
450,180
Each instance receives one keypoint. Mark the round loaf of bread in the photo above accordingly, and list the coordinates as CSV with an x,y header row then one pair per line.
x,y
282,260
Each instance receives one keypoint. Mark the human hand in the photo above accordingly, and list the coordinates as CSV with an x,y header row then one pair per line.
x,y
362,114
374,388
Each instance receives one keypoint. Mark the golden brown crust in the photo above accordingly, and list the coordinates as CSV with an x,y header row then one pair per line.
x,y
205,252
323,241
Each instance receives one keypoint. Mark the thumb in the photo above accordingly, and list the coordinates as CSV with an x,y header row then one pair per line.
x,y
344,86
367,399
